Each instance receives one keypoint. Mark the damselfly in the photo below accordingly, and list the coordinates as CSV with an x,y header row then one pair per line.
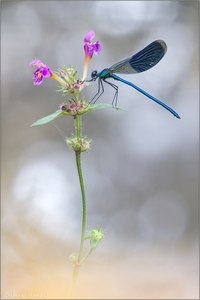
x,y
140,62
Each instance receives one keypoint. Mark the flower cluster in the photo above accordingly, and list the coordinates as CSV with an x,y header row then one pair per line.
x,y
66,78
73,85
74,108
79,144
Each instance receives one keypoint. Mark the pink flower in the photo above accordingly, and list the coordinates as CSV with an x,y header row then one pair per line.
x,y
42,71
89,47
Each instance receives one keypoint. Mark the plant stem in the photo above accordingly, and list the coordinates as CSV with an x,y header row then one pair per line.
x,y
78,162
78,127
86,256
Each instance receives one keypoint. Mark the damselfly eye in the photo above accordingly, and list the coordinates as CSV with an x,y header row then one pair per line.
x,y
94,74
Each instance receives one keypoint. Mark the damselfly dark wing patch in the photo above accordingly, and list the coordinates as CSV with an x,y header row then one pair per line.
x,y
141,61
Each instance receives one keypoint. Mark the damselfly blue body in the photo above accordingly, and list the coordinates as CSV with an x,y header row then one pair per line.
x,y
140,62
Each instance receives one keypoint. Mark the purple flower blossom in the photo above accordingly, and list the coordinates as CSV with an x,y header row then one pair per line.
x,y
89,47
89,37
42,71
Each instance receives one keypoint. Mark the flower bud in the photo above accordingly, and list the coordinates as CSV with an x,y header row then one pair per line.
x,y
75,108
79,144
70,85
73,257
95,236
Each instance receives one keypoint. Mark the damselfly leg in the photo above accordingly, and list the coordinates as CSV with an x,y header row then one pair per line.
x,y
99,92
114,86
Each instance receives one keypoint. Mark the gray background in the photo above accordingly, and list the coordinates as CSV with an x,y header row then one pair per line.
x,y
141,174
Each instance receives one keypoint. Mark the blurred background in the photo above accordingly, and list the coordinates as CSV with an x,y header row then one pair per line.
x,y
141,175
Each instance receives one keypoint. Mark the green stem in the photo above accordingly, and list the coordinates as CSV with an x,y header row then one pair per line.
x,y
86,256
78,127
78,162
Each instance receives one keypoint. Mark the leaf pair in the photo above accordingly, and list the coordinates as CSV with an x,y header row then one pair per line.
x,y
59,113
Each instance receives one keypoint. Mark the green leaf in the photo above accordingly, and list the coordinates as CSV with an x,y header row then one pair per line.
x,y
48,119
102,106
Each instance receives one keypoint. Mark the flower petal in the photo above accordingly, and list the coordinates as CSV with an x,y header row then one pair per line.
x,y
89,37
88,50
37,62
45,71
37,80
97,48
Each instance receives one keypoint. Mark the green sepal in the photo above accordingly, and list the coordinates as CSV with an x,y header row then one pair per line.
x,y
49,118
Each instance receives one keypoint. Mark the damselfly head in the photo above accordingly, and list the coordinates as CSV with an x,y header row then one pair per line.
x,y
94,75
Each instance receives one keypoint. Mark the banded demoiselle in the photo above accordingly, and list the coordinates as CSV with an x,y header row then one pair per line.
x,y
139,62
